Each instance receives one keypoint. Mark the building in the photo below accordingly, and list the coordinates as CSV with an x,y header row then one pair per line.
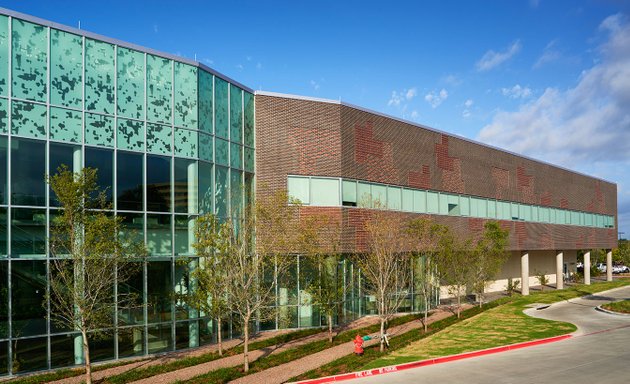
x,y
172,138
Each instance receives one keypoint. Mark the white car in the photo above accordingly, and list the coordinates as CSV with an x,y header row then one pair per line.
x,y
620,269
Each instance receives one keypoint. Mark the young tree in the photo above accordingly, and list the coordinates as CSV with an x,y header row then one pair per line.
x,y
424,236
208,279
90,254
487,257
319,244
453,264
254,269
386,264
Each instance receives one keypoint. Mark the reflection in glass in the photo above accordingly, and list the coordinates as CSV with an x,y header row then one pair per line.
x,y
221,193
129,181
159,288
102,347
3,232
130,342
132,291
59,155
30,355
28,289
3,170
160,338
205,187
185,186
28,166
158,184
184,235
62,350
4,301
159,235
28,232
102,161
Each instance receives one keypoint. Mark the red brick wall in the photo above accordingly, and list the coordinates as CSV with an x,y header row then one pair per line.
x,y
305,137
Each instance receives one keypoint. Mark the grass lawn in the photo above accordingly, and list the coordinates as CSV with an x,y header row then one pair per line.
x,y
618,306
505,324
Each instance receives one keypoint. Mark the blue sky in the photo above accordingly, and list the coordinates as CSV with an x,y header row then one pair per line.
x,y
547,79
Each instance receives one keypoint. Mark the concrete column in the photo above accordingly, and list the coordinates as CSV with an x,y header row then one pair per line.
x,y
609,265
525,273
559,270
587,268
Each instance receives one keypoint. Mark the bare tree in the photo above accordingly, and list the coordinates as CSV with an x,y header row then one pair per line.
x,y
254,269
424,236
90,255
487,257
386,264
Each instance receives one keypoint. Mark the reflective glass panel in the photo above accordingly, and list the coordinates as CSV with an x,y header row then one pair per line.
x,y
159,288
158,183
161,338
4,301
205,187
159,238
61,154
249,118
4,69
102,161
299,188
236,155
185,186
62,350
4,115
99,130
28,119
129,181
184,234
206,147
28,232
28,167
221,193
3,232
222,151
159,139
3,169
325,192
66,125
132,288
30,355
28,289
236,191
131,342
130,135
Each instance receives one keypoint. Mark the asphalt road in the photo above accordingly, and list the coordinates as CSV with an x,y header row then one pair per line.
x,y
599,352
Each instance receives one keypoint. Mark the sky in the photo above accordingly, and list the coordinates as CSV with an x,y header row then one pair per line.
x,y
549,79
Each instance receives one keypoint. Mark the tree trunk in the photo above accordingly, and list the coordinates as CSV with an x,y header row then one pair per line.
x,y
330,328
219,340
382,334
426,312
459,303
246,345
86,357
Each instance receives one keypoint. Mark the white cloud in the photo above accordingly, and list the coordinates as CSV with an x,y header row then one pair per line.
x,y
586,127
452,80
314,84
415,115
466,113
492,59
399,98
435,98
549,55
239,67
517,92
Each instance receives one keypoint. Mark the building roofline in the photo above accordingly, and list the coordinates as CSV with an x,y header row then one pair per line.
x,y
96,36
343,103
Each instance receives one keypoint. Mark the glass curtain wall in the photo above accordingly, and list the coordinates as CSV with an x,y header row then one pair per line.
x,y
154,127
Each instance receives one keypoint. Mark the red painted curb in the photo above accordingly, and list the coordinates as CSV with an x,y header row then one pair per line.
x,y
438,360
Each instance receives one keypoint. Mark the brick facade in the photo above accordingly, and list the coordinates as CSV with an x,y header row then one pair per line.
x,y
321,138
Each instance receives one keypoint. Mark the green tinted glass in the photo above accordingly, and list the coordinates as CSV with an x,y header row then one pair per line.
x,y
222,151
205,101
28,119
4,55
236,155
185,95
130,135
66,68
221,107
130,83
236,114
4,115
159,138
99,130
248,99
29,48
249,159
66,125
185,142
205,147
99,76
159,89
221,192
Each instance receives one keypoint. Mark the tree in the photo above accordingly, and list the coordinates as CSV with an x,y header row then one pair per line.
x,y
542,279
424,236
319,244
621,255
386,264
90,254
254,269
453,264
488,256
208,279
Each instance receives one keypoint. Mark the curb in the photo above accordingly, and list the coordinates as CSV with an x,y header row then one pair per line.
x,y
599,308
437,360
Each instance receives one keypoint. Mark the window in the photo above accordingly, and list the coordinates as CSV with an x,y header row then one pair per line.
x,y
349,193
325,192
130,191
298,188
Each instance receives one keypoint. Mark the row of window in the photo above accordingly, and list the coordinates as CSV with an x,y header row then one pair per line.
x,y
124,134
46,65
132,181
325,191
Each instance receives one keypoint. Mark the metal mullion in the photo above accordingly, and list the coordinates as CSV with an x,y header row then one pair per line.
x,y
115,113
145,311
9,201
172,260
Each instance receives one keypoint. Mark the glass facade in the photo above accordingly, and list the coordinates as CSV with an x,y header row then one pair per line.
x,y
148,124
334,192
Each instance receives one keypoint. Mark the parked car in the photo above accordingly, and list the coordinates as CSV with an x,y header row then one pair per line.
x,y
620,269
601,267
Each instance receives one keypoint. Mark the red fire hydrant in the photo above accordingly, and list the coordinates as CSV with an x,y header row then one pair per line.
x,y
358,345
